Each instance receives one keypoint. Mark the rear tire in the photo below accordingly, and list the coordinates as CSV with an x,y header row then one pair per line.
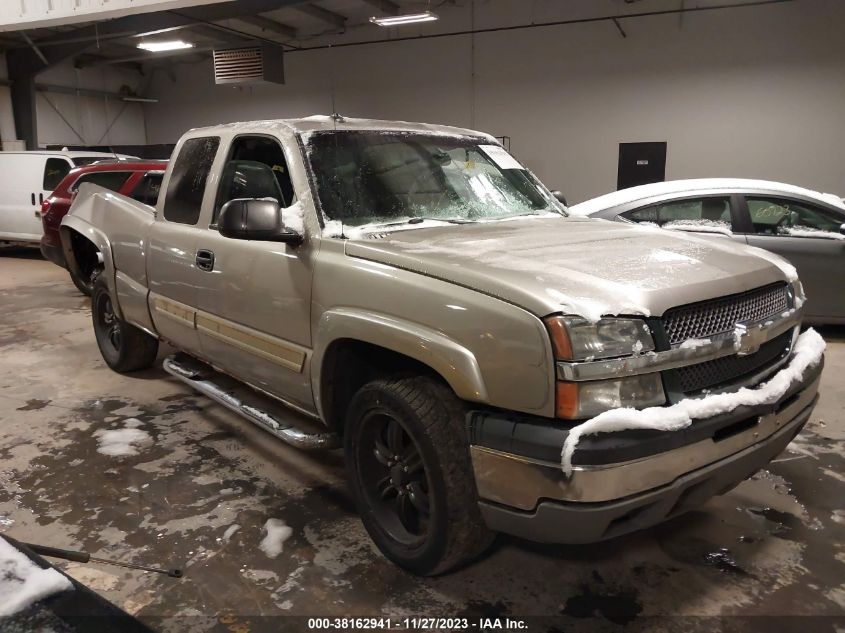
x,y
421,509
124,347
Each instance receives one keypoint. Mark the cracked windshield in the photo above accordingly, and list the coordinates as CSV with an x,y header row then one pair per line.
x,y
395,178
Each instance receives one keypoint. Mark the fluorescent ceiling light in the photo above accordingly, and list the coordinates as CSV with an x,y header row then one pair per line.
x,y
171,45
408,18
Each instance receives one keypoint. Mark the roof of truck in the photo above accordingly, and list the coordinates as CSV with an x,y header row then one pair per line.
x,y
317,123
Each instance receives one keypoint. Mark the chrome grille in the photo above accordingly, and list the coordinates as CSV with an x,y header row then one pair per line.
x,y
716,316
723,371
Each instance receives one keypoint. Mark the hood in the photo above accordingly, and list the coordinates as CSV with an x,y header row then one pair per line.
x,y
576,265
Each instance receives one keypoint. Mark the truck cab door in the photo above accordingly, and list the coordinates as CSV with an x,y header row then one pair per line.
x,y
254,297
172,258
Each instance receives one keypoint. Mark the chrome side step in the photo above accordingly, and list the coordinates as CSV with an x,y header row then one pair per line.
x,y
269,414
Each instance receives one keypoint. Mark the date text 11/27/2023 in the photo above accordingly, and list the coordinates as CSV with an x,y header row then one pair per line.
x,y
417,624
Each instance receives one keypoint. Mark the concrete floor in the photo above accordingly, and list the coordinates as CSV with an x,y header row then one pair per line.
x,y
774,546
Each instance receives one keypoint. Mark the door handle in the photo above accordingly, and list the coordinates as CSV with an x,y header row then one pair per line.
x,y
32,198
205,260
40,198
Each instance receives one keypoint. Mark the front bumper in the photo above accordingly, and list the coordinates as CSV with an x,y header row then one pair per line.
x,y
659,474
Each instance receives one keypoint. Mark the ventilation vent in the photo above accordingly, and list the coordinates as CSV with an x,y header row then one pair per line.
x,y
249,64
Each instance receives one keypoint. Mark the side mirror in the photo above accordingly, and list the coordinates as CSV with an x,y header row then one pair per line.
x,y
255,219
560,197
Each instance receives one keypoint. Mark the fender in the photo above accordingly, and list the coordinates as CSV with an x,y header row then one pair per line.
x,y
76,223
454,362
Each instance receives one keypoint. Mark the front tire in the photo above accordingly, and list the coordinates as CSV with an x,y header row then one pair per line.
x,y
124,347
408,461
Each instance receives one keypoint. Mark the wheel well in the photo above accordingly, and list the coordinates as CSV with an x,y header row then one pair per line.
x,y
82,255
349,364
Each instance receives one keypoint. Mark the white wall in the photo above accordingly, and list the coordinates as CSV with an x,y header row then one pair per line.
x,y
89,117
751,92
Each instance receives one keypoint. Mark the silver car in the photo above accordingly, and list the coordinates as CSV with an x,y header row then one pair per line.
x,y
806,227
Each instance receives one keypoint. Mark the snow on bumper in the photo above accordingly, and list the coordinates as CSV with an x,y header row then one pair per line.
x,y
808,352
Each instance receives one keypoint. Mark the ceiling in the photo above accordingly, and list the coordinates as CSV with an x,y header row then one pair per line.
x,y
304,24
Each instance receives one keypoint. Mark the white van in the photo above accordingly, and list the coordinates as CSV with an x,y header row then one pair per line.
x,y
26,179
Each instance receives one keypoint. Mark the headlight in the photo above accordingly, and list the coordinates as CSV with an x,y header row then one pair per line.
x,y
576,338
798,296
577,400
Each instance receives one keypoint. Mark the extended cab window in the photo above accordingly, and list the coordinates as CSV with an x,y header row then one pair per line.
x,y
54,172
689,212
256,169
148,189
773,216
109,179
187,180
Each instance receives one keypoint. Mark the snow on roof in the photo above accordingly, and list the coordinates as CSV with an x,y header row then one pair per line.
x,y
642,192
316,123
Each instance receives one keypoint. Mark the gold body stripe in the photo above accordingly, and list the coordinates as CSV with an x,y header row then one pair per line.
x,y
268,347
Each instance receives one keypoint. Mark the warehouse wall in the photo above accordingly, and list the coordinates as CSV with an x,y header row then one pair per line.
x,y
751,92
90,120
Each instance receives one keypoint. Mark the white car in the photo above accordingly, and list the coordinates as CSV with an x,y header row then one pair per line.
x,y
806,227
26,179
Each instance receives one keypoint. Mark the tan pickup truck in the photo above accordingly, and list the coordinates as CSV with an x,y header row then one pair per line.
x,y
415,295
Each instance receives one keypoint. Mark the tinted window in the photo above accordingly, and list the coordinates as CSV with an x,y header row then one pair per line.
x,y
109,179
54,172
148,189
188,178
773,216
689,212
256,169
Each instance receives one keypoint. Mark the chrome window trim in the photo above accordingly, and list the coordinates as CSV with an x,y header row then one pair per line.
x,y
720,345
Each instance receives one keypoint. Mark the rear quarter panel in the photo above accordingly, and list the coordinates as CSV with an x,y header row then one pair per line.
x,y
118,226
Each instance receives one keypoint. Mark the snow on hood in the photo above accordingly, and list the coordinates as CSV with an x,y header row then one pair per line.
x,y
574,265
23,583
808,352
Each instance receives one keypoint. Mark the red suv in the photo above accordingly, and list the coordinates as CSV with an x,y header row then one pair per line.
x,y
136,179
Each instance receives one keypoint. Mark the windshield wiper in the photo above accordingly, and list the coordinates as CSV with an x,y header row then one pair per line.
x,y
420,220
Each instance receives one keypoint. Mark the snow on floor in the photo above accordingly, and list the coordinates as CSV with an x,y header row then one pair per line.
x,y
23,583
230,531
122,442
808,351
277,532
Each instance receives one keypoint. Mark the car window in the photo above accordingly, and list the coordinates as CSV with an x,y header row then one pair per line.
x,y
256,169
710,211
777,216
148,188
109,179
79,161
54,172
187,181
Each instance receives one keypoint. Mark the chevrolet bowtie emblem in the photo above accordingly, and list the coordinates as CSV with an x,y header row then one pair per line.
x,y
748,341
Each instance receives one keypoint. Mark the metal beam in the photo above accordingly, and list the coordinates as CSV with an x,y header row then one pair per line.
x,y
267,24
148,22
385,6
320,13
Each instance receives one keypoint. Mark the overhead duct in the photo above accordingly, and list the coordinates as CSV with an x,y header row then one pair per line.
x,y
254,63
